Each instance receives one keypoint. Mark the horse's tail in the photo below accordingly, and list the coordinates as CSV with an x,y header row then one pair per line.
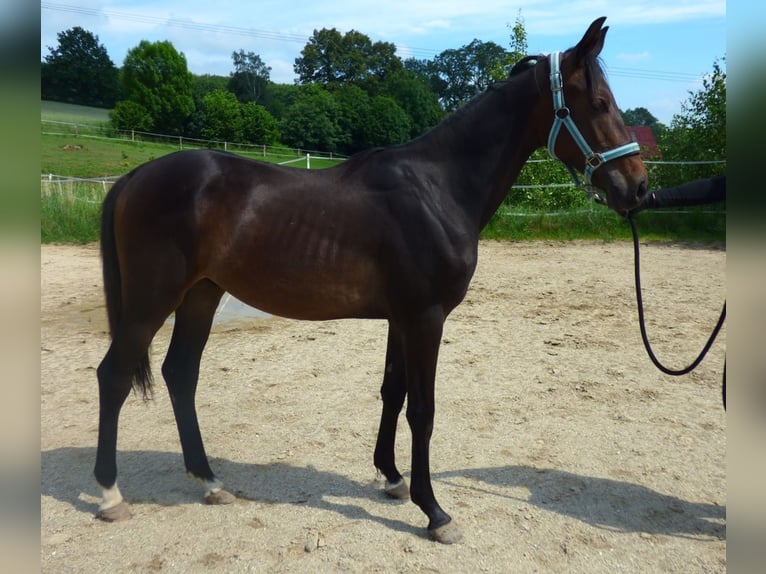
x,y
142,375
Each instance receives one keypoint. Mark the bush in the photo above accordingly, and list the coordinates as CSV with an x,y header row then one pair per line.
x,y
129,115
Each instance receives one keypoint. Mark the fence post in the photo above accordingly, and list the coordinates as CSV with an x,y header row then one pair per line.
x,y
308,161
180,142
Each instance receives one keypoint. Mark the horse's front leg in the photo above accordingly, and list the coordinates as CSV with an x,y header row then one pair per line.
x,y
392,393
421,343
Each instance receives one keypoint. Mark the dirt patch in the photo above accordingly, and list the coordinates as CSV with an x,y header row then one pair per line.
x,y
557,445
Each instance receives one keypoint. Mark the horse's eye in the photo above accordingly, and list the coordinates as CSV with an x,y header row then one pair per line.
x,y
601,105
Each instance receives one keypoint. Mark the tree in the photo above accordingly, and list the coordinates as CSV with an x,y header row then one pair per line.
x,y
223,117
466,71
201,86
384,123
205,83
413,94
155,76
353,107
500,70
699,131
258,125
279,97
128,115
518,41
79,71
312,121
331,59
250,76
638,117
427,71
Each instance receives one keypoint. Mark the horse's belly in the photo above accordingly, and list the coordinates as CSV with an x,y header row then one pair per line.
x,y
309,292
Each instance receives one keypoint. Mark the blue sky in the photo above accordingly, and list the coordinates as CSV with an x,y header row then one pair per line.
x,y
655,53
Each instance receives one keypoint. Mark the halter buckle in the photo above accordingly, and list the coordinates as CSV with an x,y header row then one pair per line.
x,y
594,161
557,82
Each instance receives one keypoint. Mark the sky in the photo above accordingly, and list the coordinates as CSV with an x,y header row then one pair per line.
x,y
656,52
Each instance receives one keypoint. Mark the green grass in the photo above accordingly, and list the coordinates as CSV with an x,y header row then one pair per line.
x,y
60,112
697,225
70,212
79,156
92,149
87,157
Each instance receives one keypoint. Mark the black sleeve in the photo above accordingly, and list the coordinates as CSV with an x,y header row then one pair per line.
x,y
698,192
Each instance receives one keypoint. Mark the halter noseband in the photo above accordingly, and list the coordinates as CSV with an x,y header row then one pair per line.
x,y
562,116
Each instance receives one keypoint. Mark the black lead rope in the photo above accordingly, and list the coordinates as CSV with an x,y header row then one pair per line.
x,y
642,323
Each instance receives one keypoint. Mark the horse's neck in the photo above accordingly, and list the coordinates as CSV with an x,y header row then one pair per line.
x,y
485,145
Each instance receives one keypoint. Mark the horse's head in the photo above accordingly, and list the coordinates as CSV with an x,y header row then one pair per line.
x,y
593,139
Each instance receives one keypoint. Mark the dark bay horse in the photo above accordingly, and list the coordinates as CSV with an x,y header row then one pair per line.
x,y
391,234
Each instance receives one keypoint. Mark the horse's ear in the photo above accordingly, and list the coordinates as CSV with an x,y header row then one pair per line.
x,y
593,40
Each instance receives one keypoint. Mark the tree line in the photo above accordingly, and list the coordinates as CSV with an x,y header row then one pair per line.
x,y
350,93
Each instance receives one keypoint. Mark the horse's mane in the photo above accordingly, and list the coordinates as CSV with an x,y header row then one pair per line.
x,y
594,69
526,63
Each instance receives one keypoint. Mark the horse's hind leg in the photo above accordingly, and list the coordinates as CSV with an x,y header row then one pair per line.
x,y
180,369
116,374
392,392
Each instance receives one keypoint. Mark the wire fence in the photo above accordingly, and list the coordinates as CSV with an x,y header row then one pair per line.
x,y
106,132
87,189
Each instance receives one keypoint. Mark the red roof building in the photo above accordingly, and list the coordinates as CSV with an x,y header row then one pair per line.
x,y
644,137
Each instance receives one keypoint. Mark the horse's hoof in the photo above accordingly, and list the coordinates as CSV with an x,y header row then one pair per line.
x,y
116,513
220,497
446,534
398,490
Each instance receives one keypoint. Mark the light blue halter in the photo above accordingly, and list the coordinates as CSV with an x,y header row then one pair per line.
x,y
562,116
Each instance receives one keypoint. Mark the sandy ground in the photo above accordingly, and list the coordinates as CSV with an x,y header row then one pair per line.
x,y
558,447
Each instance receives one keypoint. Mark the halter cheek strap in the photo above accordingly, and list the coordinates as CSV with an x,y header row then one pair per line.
x,y
562,117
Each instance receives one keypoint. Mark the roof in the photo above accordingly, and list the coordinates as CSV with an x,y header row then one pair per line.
x,y
644,137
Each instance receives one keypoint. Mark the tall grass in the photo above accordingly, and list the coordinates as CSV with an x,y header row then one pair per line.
x,y
70,211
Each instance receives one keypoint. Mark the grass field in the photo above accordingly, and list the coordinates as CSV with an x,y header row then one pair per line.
x,y
70,211
60,112
92,150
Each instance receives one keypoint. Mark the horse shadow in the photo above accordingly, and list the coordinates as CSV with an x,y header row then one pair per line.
x,y
604,503
154,477
157,478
